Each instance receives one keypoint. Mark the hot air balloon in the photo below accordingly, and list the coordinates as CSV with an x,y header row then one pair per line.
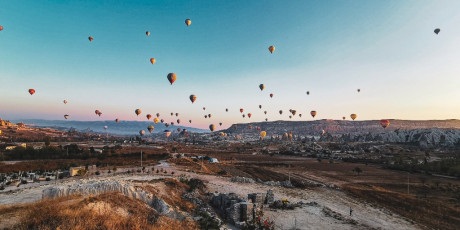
x,y
147,33
271,95
260,106
189,121
167,124
158,114
343,118
162,121
138,111
150,128
290,116
261,87
249,115
192,98
263,134
142,132
265,112
204,108
308,92
220,123
359,90
90,38
241,110
353,116
149,116
178,121
209,115
271,49
97,112
178,129
167,133
226,110
1,28
172,114
188,22
66,116
300,115
384,123
172,123
106,127
177,114
205,116
293,112
65,101
266,119
116,120
212,127
313,113
437,30
152,60
172,78
244,116
31,91
281,112
156,120
222,134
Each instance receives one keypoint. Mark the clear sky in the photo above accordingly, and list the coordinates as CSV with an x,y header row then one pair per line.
x,y
331,48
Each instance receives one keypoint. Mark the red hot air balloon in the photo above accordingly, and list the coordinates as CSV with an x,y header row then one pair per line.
x,y
249,115
313,113
172,78
384,123
31,91
241,110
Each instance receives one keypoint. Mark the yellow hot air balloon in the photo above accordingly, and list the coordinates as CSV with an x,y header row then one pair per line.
x,y
261,87
212,127
188,22
353,116
263,134
156,120
152,60
150,128
271,49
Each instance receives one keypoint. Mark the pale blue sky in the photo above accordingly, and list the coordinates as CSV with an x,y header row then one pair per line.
x,y
330,48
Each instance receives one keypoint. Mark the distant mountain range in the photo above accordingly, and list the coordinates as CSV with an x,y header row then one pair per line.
x,y
120,128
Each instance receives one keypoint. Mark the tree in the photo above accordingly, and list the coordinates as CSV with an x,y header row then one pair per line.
x,y
357,170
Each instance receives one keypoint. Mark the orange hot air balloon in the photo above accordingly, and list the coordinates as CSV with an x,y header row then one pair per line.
x,y
31,91
116,120
271,95
249,115
138,111
66,116
271,49
353,116
90,38
313,113
212,127
192,98
149,116
147,33
261,87
158,114
241,110
156,120
384,123
152,60
172,78
150,128
142,132
1,28
188,22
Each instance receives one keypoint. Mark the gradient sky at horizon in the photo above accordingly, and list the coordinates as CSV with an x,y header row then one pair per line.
x,y
331,48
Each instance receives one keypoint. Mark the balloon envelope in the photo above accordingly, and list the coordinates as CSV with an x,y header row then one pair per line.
x,y
31,91
172,78
271,49
188,22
